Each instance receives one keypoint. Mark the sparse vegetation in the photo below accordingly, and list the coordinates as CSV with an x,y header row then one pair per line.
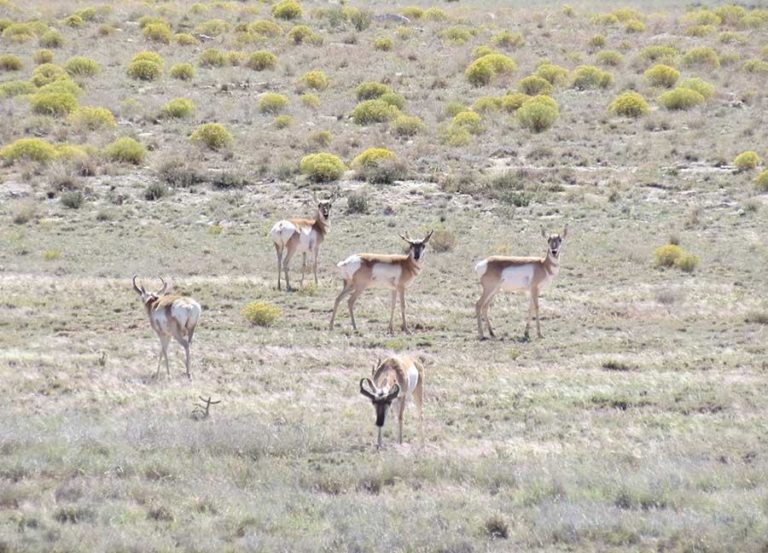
x,y
183,71
126,150
589,77
93,118
213,136
178,108
680,99
261,61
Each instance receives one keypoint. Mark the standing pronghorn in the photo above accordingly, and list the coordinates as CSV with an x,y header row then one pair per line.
x,y
395,379
170,316
396,272
301,235
531,274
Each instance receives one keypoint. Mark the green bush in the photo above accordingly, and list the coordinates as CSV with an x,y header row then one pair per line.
x,y
53,103
666,256
451,135
373,111
29,149
702,17
158,32
659,53
597,41
507,39
761,182
9,62
687,262
301,34
703,56
700,30
629,104
588,77
729,37
19,32
322,167
321,138
211,57
260,313
485,104
92,118
72,199
634,26
213,136
310,100
146,20
610,58
146,55
456,35
183,71
412,12
47,73
512,102
261,60
64,86
470,121
235,57
371,90
605,19
662,75
452,108
394,100
185,39
178,108
538,113
379,166
80,66
555,74
435,14
72,152
372,157
10,89
407,125
699,85
747,161
287,9
383,44
213,27
680,99
316,80
144,70
42,56
271,102
484,69
533,85
283,121
125,150
755,66
266,28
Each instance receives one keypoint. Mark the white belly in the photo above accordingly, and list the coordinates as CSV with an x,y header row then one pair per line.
x,y
517,278
384,275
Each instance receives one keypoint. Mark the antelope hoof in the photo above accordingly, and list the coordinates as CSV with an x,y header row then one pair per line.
x,y
484,338
492,333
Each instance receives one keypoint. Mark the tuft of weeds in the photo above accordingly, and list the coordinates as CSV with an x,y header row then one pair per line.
x,y
178,108
322,167
213,136
72,199
227,180
260,313
126,150
358,202
182,71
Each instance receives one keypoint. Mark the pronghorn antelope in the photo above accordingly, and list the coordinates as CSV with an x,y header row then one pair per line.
x,y
395,380
531,274
396,272
170,316
301,235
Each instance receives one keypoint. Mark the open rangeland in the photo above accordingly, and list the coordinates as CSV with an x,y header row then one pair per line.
x,y
638,422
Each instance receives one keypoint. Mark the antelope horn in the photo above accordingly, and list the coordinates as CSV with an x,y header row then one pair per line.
x,y
314,196
405,237
138,290
544,233
393,392
163,289
365,392
428,236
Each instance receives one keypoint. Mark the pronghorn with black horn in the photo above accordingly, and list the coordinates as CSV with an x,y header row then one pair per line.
x,y
395,272
395,380
301,235
531,274
170,316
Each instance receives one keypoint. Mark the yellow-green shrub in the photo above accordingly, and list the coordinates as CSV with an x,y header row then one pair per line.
x,y
10,89
260,313
627,14
555,74
373,111
125,150
746,161
470,121
701,17
512,102
185,39
703,56
485,104
53,103
373,157
144,70
700,30
662,75
533,85
370,90
266,28
699,85
610,58
47,73
629,104
666,256
321,138
730,37
158,32
178,108
146,55
287,9
301,34
31,149
481,71
212,27
393,99
412,12
80,66
92,118
680,99
456,35
19,32
310,100
634,26
451,135
283,121
271,102
183,71
687,262
538,113
587,77
9,62
211,57
73,152
322,167
316,80
407,125
507,39
261,60
42,56
454,107
660,53
214,136
383,44
755,66
235,57
761,182
605,19
435,14
597,41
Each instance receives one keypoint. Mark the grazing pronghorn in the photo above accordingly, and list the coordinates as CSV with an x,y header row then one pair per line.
x,y
531,274
395,379
170,316
396,272
301,235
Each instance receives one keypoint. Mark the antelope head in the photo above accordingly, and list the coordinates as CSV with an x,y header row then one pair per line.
x,y
381,398
148,298
416,247
324,206
554,241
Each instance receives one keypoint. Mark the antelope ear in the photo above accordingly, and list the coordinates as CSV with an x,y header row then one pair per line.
x,y
544,233
565,231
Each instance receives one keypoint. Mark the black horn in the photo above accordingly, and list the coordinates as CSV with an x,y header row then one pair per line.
x,y
365,392
138,290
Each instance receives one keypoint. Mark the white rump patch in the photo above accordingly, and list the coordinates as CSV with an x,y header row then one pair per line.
x,y
481,267
349,266
281,232
413,377
517,277
384,274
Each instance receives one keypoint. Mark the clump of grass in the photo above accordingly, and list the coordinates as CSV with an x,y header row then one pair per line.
x,y
701,86
412,12
265,28
144,70
680,99
322,167
435,14
183,71
126,150
213,27
72,199
508,39
701,57
610,58
486,104
761,182
661,75
470,121
755,66
481,51
147,55
47,73
634,26
260,313
19,32
316,80
272,102
9,62
53,103
687,263
358,202
287,10
702,17
321,138
301,34
310,100
456,35
660,53
672,255
454,136
538,113
64,86
454,107
629,104
443,240
74,21
10,89
484,69
155,191
383,44
512,102
496,527
407,125
533,85
42,56
261,60
92,118
597,41
589,77
213,136
185,39
373,111
555,74
178,108
227,180
393,99
23,212
158,32
746,161
212,57
80,66
700,30
283,121
378,165
51,39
